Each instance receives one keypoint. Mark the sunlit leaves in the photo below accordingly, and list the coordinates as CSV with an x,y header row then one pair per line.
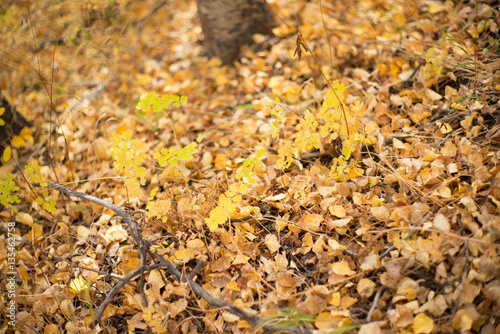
x,y
33,170
226,206
129,155
8,189
173,155
79,285
246,173
152,101
157,206
6,154
2,122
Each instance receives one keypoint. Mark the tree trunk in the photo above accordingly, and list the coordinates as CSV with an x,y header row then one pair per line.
x,y
14,122
229,24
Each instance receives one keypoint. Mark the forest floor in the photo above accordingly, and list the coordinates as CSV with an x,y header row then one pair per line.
x,y
356,189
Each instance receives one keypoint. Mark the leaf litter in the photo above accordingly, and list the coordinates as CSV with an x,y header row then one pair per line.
x,y
389,225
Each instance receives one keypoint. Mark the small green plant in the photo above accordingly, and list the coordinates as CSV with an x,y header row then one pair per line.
x,y
33,170
291,317
226,206
315,130
129,155
81,286
8,188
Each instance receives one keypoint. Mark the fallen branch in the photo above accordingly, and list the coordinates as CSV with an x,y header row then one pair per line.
x,y
253,319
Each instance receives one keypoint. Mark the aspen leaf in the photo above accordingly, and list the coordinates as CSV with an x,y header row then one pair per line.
x,y
24,218
116,233
335,299
229,317
92,264
6,154
366,288
67,308
462,321
51,329
311,221
324,320
380,213
338,211
440,222
342,268
347,301
184,255
78,284
178,306
371,328
221,264
422,324
34,233
272,243
370,262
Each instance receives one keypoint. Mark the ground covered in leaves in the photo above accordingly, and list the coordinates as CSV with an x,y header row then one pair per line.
x,y
391,224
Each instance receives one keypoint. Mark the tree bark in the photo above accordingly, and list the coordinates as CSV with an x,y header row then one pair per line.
x,y
229,24
14,122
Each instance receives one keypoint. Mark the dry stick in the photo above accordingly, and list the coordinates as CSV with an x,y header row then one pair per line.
x,y
131,275
134,232
161,4
374,305
252,319
25,324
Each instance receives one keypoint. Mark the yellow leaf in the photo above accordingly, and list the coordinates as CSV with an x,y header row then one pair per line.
x,y
184,255
380,213
121,128
324,320
116,233
271,241
78,285
347,301
27,134
342,268
6,154
338,211
25,219
422,324
233,286
462,321
366,288
355,172
35,233
178,306
311,222
399,19
51,329
434,7
335,299
147,314
17,141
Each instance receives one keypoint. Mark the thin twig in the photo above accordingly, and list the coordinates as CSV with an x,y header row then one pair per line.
x,y
374,304
252,319
131,275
